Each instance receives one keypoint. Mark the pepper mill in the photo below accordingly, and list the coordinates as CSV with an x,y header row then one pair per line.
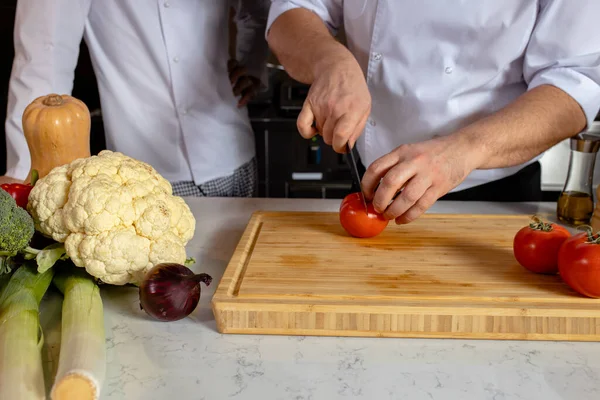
x,y
576,201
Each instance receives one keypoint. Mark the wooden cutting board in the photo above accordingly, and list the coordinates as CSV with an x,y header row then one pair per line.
x,y
443,276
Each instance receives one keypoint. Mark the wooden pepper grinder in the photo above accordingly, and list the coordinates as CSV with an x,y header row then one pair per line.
x,y
576,201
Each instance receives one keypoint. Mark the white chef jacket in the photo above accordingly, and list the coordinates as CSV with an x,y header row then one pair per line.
x,y
161,68
433,66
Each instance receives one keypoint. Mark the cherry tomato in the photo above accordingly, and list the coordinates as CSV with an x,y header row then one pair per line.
x,y
579,264
356,221
536,246
19,192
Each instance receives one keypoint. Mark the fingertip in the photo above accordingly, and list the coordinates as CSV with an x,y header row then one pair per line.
x,y
352,142
368,186
339,148
305,122
377,205
307,133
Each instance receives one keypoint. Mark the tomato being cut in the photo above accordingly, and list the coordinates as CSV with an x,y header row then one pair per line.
x,y
536,246
19,192
579,264
358,222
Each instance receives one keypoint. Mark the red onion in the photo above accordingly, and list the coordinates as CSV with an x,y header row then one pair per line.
x,y
170,292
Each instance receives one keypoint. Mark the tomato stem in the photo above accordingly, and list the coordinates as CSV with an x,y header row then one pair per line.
x,y
537,224
592,238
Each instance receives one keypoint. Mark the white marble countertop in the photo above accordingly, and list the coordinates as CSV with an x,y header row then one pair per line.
x,y
189,359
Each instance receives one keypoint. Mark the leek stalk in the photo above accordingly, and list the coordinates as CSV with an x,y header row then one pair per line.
x,y
81,363
21,370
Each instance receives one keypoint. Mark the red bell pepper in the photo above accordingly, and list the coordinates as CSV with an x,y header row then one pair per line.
x,y
19,192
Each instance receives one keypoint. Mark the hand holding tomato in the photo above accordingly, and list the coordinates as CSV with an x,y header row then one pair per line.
x,y
536,246
358,222
579,263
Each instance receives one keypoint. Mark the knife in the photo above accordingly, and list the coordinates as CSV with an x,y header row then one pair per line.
x,y
351,159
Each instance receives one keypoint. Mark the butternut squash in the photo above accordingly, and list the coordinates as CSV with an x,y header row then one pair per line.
x,y
57,130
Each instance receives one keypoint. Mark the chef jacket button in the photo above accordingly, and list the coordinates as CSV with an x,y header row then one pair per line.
x,y
167,4
372,122
176,59
448,70
377,56
183,112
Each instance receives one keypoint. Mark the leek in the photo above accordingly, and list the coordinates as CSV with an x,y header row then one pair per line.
x,y
21,370
81,363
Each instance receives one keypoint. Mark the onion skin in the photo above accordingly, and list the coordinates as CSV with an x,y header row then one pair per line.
x,y
170,292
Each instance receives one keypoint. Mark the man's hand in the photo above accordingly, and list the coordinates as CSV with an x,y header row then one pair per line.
x,y
243,84
534,122
423,172
338,104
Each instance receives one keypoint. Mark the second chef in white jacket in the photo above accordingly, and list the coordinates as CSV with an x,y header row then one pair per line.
x,y
164,86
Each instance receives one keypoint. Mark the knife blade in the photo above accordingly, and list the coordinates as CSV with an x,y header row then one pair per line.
x,y
351,159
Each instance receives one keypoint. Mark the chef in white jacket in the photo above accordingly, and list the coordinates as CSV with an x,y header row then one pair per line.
x,y
163,80
443,97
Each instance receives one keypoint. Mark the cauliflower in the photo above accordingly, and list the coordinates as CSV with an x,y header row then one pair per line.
x,y
116,216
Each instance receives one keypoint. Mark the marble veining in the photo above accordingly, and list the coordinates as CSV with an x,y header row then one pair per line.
x,y
189,359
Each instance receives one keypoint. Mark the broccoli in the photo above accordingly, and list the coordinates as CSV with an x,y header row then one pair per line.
x,y
16,226
17,230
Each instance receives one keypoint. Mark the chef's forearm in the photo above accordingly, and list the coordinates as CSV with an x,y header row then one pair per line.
x,y
537,120
303,44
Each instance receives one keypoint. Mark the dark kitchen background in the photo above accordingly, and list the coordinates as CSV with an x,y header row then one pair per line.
x,y
289,166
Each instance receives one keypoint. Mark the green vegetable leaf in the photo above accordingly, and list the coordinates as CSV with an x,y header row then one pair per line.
x,y
5,265
8,265
47,257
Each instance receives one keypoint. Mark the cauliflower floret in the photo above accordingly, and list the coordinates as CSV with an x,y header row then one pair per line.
x,y
116,216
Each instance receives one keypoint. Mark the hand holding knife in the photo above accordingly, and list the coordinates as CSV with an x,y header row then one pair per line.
x,y
351,157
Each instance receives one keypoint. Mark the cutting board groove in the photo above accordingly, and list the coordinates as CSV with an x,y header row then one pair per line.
x,y
445,276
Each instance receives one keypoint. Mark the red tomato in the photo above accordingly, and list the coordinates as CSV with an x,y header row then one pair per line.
x,y
19,192
356,221
579,264
536,246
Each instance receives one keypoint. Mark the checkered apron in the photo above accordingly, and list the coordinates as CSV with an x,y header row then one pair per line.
x,y
242,183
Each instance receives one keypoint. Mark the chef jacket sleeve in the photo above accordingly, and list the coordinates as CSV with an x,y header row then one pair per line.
x,y
330,11
251,47
564,51
47,36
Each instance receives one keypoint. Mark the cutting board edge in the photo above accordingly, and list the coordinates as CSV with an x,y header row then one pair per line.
x,y
413,335
220,304
411,323
239,259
